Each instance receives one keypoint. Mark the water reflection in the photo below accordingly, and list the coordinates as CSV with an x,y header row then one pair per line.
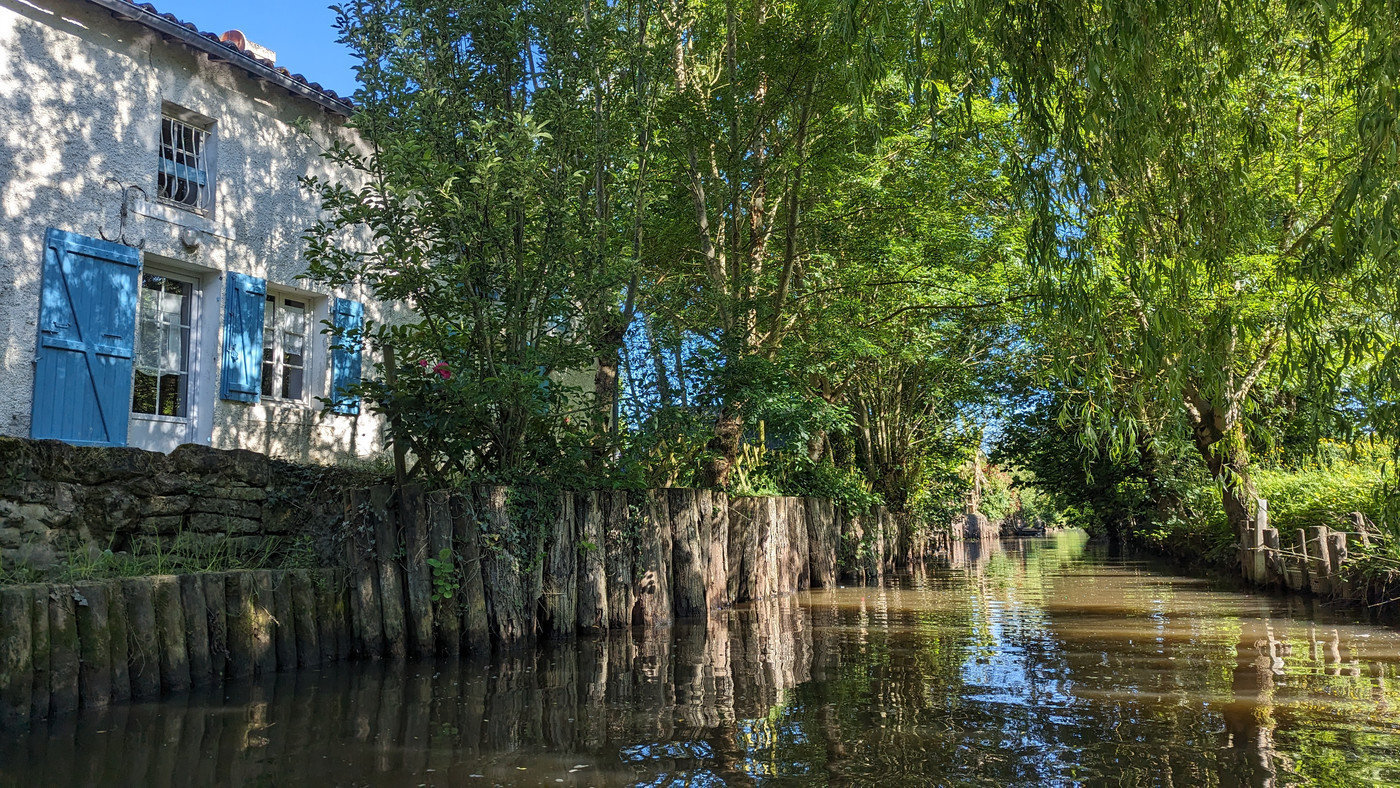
x,y
1036,662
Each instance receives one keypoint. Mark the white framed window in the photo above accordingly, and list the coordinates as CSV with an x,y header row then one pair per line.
x,y
185,178
286,326
164,327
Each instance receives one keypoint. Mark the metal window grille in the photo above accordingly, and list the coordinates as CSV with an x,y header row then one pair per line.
x,y
184,165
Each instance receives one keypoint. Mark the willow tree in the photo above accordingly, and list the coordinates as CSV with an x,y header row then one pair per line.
x,y
497,183
1214,189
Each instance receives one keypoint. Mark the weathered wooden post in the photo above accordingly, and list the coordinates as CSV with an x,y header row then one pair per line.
x,y
284,615
216,623
64,657
118,637
1319,563
653,583
592,562
1272,548
560,578
689,552
362,568
413,516
94,644
263,624
1256,558
1362,528
143,640
501,568
447,616
619,546
39,649
16,655
739,556
308,637
476,624
1337,556
798,544
714,510
391,582
194,612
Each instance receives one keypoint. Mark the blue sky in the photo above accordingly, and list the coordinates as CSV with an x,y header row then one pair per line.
x,y
302,33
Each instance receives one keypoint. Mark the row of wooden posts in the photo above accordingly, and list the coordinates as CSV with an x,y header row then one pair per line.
x,y
609,560
1308,559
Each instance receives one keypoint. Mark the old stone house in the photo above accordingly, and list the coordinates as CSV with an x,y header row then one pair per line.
x,y
150,240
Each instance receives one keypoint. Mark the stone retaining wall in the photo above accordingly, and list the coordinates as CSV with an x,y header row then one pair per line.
x,y
60,502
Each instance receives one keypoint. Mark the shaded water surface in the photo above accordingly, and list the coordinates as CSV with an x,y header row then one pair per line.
x,y
1034,662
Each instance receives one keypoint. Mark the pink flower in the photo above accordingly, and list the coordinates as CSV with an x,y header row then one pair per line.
x,y
442,370
423,362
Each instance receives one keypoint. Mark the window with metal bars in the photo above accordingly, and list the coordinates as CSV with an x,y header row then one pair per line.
x,y
184,177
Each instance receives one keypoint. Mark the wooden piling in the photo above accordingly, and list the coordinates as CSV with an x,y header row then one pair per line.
x,y
1337,556
1258,554
94,644
741,550
170,626
1274,563
849,560
1319,563
264,624
117,641
196,618
476,624
64,655
216,623
592,563
413,518
284,621
362,567
239,600
619,546
330,598
689,552
653,584
307,637
447,616
143,637
16,655
391,582
714,512
560,577
502,570
799,545
39,650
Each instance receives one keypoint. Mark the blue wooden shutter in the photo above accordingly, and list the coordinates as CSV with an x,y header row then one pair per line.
x,y
349,322
87,331
244,299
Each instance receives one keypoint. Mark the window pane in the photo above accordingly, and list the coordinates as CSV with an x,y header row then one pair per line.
x,y
172,395
291,383
148,344
143,388
269,372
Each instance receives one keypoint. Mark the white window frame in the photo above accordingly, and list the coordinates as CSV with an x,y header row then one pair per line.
x,y
272,384
201,161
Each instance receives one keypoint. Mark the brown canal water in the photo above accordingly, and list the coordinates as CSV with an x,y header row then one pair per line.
x,y
1039,662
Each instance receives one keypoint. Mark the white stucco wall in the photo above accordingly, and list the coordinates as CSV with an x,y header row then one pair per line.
x,y
81,97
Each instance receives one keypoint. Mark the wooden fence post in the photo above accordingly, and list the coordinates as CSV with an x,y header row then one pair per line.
x,y
592,562
447,617
413,517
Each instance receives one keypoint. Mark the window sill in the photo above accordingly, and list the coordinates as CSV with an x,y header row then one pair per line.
x,y
159,418
182,218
